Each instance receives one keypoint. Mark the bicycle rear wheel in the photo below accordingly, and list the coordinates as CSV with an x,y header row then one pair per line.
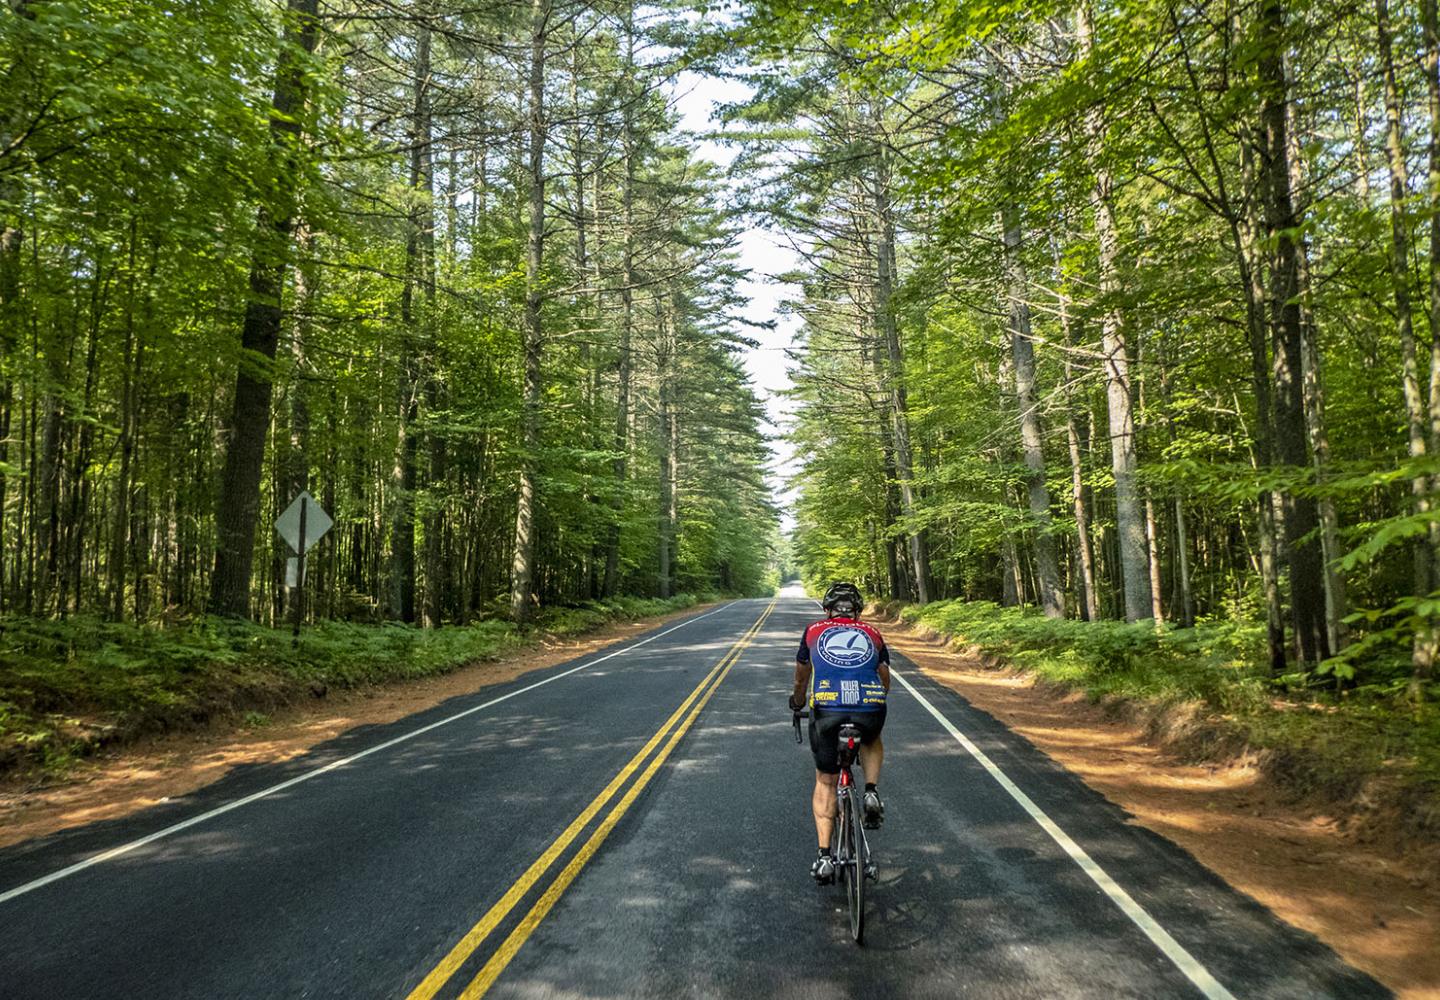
x,y
854,866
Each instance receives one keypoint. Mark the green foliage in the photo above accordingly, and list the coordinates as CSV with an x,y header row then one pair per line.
x,y
141,182
69,687
1215,662
994,138
1331,742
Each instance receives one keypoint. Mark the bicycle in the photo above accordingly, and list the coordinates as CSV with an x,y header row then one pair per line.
x,y
849,846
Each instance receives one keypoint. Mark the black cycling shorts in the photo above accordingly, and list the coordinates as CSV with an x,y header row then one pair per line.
x,y
825,734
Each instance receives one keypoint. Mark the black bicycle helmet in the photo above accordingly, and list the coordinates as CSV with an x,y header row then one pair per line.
x,y
844,597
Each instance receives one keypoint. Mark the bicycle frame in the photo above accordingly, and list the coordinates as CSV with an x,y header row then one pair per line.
x,y
845,786
850,846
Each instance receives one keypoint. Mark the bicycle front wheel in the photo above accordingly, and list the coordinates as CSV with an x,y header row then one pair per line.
x,y
854,867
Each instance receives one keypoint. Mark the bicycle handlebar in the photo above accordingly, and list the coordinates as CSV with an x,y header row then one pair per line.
x,y
796,717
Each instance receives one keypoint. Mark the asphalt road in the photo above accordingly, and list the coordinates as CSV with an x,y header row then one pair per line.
x,y
636,824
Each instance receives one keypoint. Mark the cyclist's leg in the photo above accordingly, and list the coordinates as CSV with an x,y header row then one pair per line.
x,y
872,756
823,727
822,803
872,748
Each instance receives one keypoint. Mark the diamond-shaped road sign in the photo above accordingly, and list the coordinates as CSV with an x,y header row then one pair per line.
x,y
317,522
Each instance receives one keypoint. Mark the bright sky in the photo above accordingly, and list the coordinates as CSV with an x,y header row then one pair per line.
x,y
695,99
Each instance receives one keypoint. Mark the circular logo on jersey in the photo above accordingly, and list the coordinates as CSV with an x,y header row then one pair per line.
x,y
844,646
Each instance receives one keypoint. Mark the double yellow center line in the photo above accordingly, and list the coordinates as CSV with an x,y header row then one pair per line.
x,y
675,727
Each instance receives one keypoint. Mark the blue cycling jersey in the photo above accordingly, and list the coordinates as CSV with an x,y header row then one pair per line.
x,y
845,657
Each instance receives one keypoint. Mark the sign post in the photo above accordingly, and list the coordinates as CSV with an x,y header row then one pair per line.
x,y
302,525
300,574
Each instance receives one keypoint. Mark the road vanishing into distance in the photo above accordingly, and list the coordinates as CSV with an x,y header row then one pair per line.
x,y
636,823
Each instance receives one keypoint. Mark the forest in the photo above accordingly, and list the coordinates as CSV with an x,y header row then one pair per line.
x,y
1122,311
451,269
1113,315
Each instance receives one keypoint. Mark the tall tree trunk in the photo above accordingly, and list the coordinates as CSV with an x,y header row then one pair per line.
x,y
1084,546
886,323
239,502
587,316
1245,234
627,312
47,524
895,553
1152,549
1307,593
1336,601
1358,141
1052,598
665,377
420,270
12,316
129,422
1431,63
1182,566
1012,586
419,248
12,242
78,506
1431,27
298,460
1424,646
1129,522
522,564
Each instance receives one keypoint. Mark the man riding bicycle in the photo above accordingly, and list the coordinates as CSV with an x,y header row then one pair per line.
x,y
842,670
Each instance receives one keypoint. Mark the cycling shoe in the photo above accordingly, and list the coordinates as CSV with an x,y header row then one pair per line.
x,y
823,870
874,811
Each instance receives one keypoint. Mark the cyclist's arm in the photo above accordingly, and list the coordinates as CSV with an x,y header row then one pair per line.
x,y
802,680
884,666
802,670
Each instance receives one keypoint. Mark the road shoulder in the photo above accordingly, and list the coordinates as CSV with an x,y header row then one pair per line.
x,y
149,772
1377,908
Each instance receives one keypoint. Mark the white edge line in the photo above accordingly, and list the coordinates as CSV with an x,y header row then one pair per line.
x,y
115,852
1159,936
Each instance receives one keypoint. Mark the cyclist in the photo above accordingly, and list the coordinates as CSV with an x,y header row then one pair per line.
x,y
842,670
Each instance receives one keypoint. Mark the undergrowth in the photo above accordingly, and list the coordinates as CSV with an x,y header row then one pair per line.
x,y
1330,740
69,687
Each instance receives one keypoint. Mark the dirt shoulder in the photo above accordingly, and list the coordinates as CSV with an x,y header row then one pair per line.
x,y
1377,905
149,771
